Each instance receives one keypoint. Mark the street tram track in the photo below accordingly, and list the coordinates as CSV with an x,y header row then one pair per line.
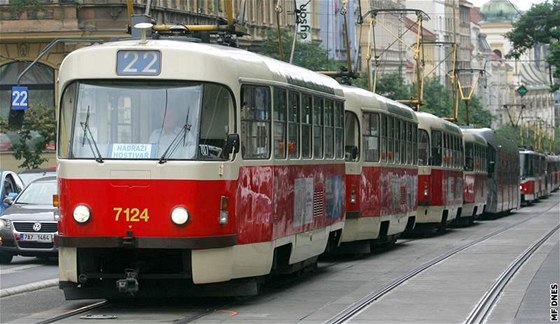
x,y
484,307
75,312
478,314
355,308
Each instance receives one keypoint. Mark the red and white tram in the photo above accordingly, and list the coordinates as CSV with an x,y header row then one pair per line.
x,y
540,175
529,176
381,169
182,164
440,172
553,169
474,176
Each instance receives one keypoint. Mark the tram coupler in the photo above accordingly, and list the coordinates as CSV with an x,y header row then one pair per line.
x,y
130,283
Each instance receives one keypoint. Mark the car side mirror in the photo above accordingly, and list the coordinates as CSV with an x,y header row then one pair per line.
x,y
232,144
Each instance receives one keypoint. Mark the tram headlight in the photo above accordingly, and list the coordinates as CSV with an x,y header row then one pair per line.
x,y
179,215
81,214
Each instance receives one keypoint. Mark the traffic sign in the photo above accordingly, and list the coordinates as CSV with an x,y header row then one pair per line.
x,y
20,98
522,90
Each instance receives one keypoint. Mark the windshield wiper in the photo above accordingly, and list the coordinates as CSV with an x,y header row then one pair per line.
x,y
90,139
175,143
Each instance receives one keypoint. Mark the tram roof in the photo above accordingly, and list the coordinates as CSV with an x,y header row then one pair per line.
x,y
436,123
496,140
473,137
360,99
201,62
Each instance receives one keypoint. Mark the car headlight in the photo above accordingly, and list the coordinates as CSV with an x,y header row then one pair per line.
x,y
179,215
4,224
81,214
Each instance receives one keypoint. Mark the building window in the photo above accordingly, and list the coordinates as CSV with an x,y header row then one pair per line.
x,y
39,79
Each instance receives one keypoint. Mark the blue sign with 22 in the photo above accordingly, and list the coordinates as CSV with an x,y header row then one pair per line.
x,y
20,98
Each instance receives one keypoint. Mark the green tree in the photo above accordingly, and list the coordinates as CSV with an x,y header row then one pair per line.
x,y
310,55
478,116
38,130
437,99
538,25
508,131
393,87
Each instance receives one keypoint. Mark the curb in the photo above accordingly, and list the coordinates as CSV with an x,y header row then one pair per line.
x,y
29,287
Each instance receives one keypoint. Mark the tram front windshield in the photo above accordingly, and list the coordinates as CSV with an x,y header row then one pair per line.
x,y
144,121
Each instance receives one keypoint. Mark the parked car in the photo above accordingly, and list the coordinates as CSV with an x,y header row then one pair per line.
x,y
10,186
5,142
30,175
28,227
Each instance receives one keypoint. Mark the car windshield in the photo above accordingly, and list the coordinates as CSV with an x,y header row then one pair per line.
x,y
28,177
38,193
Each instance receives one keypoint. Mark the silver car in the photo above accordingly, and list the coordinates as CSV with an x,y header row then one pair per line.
x,y
28,227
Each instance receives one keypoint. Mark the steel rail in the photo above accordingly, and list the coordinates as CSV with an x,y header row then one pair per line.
x,y
485,305
74,312
355,308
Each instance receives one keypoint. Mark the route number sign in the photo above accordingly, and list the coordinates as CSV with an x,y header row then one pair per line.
x,y
20,98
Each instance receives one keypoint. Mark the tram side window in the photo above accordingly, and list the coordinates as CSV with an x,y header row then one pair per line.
x,y
414,143
481,158
383,147
390,141
529,171
403,142
423,147
279,116
351,147
408,149
318,127
445,151
371,137
339,129
437,142
469,156
293,125
306,137
397,139
217,114
329,129
255,122
459,158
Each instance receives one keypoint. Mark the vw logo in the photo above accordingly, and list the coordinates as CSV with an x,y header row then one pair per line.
x,y
37,227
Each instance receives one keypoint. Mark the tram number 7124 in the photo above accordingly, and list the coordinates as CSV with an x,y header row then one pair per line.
x,y
131,214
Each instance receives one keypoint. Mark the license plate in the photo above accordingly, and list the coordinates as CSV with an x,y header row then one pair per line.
x,y
43,238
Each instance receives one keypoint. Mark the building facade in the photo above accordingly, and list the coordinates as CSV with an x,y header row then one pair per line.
x,y
508,78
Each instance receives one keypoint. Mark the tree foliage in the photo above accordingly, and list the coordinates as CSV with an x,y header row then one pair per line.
x,y
538,25
438,100
310,55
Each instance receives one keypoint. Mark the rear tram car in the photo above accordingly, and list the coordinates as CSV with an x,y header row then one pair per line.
x,y
440,172
474,176
553,171
530,174
503,173
183,165
381,170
